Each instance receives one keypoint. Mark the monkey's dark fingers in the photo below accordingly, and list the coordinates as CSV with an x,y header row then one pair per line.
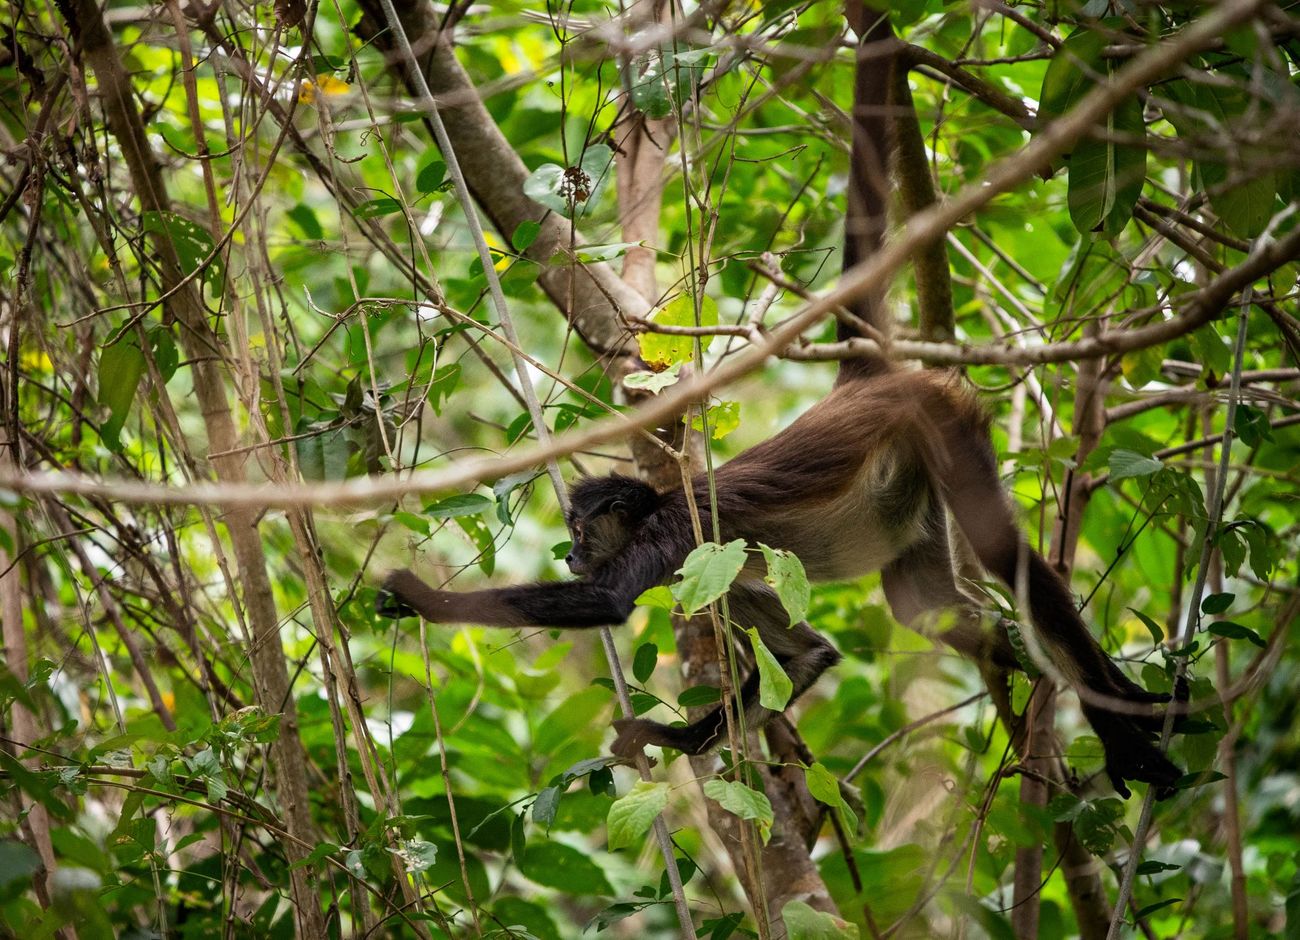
x,y
1144,763
388,604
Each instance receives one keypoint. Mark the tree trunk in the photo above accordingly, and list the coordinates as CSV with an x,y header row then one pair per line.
x,y
203,346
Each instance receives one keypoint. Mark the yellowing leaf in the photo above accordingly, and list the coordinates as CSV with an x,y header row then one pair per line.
x,y
324,84
724,417
660,350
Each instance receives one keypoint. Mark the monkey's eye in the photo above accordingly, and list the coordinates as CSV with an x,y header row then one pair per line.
x,y
577,531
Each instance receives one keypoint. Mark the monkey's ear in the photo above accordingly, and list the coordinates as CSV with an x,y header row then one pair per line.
x,y
618,505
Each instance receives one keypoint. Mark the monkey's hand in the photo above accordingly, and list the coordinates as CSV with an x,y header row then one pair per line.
x,y
405,595
388,604
1131,754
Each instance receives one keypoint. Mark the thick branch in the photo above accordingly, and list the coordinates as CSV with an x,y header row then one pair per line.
x,y
591,296
931,224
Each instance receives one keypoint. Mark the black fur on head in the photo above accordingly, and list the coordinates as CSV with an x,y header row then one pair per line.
x,y
604,513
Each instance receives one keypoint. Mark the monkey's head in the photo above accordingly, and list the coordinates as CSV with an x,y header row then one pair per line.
x,y
604,514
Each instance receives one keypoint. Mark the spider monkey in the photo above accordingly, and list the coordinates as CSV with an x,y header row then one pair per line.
x,y
861,482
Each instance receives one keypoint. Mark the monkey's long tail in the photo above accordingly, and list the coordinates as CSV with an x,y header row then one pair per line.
x,y
865,218
964,466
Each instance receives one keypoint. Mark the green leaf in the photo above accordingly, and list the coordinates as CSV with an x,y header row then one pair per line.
x,y
571,191
543,187
445,380
1127,463
653,382
1241,189
645,80
1107,171
192,243
611,251
563,867
742,801
663,349
547,805
417,855
1072,73
374,208
707,572
724,417
526,233
1021,688
481,536
1235,631
774,686
165,355
462,504
304,217
121,365
632,814
698,695
1153,867
658,596
432,176
643,664
824,787
1217,603
17,862
1152,908
1141,367
807,924
1156,631
786,575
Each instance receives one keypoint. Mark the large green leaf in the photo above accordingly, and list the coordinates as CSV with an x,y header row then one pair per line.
x,y
633,813
121,366
707,573
557,865
662,350
804,922
1072,73
1241,193
742,801
786,575
1107,170
824,787
774,686
572,190
1108,166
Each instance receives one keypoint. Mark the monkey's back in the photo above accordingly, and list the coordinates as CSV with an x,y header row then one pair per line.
x,y
845,487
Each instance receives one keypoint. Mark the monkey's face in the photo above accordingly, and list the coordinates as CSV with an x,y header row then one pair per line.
x,y
599,539
605,514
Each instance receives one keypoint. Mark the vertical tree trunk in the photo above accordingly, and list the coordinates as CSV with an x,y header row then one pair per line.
x,y
203,346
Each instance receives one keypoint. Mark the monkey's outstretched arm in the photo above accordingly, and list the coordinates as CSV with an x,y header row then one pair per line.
x,y
553,604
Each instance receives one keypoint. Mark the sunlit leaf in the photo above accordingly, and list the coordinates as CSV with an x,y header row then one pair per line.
x,y
774,686
786,575
632,814
707,572
742,801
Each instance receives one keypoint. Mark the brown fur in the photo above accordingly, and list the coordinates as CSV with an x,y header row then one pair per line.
x,y
859,483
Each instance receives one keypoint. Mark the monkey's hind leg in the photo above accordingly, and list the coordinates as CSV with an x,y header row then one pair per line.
x,y
708,732
802,652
